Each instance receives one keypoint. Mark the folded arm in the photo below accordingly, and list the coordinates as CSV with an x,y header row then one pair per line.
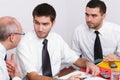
x,y
35,76
111,57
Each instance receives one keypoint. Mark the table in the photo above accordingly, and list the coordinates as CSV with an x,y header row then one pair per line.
x,y
114,73
104,67
83,74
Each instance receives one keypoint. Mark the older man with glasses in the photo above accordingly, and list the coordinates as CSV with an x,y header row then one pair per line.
x,y
10,35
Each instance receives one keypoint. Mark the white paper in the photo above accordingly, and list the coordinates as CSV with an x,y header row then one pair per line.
x,y
83,74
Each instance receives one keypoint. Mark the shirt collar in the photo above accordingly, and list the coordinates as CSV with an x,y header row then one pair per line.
x,y
2,49
42,39
102,30
49,34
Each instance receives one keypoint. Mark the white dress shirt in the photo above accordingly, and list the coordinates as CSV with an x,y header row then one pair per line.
x,y
84,37
3,69
16,78
29,53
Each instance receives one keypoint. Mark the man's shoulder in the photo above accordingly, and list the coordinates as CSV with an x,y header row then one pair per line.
x,y
55,35
82,28
55,38
112,26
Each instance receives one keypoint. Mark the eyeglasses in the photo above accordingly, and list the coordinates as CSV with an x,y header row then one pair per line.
x,y
19,33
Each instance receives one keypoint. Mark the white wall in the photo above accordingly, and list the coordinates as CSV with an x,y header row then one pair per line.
x,y
70,13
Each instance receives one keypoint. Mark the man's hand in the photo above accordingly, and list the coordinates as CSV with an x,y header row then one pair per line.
x,y
92,67
84,63
12,67
75,77
111,57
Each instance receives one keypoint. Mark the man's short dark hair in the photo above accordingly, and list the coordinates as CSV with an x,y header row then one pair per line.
x,y
44,9
97,3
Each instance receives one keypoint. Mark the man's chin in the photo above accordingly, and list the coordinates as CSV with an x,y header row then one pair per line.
x,y
41,36
90,26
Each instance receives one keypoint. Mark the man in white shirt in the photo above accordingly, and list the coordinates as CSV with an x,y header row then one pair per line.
x,y
29,51
10,35
109,34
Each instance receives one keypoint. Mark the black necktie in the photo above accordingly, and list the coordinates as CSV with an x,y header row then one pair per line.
x,y
5,58
98,56
46,66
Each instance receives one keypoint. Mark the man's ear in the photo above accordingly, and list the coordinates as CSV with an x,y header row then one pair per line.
x,y
53,23
104,16
11,38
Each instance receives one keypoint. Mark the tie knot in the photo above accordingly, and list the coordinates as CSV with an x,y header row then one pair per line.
x,y
45,41
97,32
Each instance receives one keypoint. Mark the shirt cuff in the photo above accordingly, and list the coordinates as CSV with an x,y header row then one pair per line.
x,y
16,78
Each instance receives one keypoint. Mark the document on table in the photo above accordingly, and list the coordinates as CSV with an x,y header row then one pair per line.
x,y
83,75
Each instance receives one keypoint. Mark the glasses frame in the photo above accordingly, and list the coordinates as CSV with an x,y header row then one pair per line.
x,y
23,33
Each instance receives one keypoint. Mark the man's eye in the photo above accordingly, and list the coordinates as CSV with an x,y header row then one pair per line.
x,y
37,23
86,14
94,15
45,24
